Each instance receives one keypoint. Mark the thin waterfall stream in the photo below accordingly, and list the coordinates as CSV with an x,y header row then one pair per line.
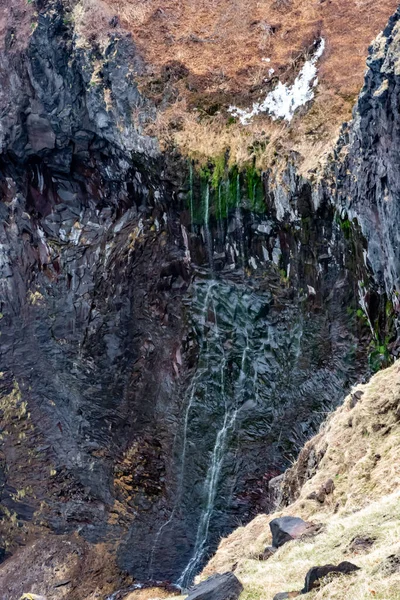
x,y
192,391
251,382
213,474
228,380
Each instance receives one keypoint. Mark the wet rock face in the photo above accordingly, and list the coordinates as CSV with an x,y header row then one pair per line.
x,y
371,193
261,345
161,369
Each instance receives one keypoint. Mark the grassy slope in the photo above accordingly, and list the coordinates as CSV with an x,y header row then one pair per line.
x,y
361,453
216,50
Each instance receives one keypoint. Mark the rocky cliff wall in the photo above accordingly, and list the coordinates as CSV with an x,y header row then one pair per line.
x,y
155,346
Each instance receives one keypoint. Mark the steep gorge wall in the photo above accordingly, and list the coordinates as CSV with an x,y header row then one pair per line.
x,y
115,304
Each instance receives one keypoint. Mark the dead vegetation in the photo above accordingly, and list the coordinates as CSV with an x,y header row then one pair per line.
x,y
219,48
357,450
16,17
61,567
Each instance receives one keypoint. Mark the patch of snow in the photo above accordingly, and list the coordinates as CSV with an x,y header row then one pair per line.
x,y
268,60
285,99
185,236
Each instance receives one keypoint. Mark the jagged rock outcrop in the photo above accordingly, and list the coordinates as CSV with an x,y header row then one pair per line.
x,y
81,192
367,171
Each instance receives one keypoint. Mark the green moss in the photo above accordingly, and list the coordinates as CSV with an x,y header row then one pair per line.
x,y
345,225
218,171
255,190
229,188
379,356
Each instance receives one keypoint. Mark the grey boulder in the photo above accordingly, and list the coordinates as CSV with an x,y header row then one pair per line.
x,y
218,587
285,529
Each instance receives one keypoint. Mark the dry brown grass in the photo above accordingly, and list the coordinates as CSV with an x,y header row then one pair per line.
x,y
221,45
16,17
360,447
149,594
212,37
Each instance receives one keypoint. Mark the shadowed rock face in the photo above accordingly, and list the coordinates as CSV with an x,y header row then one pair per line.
x,y
76,204
159,371
371,193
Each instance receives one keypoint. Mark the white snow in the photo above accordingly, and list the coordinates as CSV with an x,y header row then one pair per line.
x,y
283,101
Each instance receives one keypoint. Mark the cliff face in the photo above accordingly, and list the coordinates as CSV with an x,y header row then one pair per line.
x,y
79,189
169,337
368,185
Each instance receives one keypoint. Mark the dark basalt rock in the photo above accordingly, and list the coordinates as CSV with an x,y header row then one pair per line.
x,y
371,193
268,552
316,573
286,529
218,587
104,319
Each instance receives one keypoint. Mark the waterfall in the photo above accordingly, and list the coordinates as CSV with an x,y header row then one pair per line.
x,y
239,222
220,218
207,232
191,193
193,388
247,370
213,475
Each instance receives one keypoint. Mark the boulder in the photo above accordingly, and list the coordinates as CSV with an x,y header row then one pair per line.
x,y
218,587
316,573
275,490
268,552
390,565
327,488
285,595
359,545
285,529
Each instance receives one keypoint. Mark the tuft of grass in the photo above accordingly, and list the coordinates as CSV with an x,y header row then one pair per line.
x,y
286,570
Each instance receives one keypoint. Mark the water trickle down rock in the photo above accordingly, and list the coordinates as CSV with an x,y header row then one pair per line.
x,y
98,297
